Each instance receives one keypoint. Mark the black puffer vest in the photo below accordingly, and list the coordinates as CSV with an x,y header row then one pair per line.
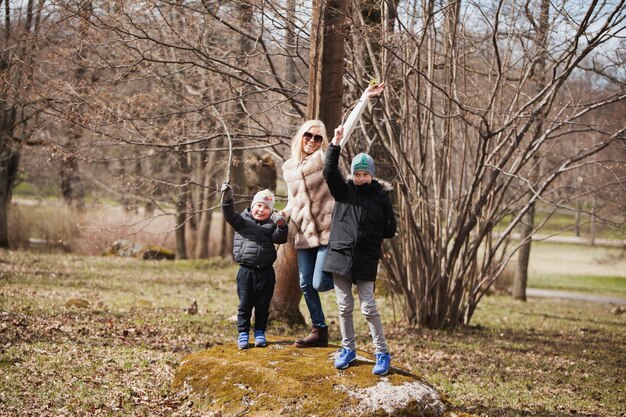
x,y
254,240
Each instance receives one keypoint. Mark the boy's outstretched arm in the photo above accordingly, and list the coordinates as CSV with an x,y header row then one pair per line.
x,y
372,91
336,183
228,208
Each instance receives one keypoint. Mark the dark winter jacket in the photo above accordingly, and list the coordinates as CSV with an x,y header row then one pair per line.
x,y
254,240
362,218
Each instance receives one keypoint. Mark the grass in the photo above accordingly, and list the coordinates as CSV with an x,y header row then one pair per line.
x,y
118,355
615,286
563,222
590,269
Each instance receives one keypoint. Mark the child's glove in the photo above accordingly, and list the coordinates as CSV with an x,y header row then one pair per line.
x,y
278,219
227,192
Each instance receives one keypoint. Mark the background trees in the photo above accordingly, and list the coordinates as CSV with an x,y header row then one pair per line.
x,y
21,27
483,102
168,96
492,111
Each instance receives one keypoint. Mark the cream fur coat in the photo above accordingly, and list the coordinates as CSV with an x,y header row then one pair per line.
x,y
310,205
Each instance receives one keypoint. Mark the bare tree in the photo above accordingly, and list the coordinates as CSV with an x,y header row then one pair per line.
x,y
176,80
474,124
325,95
324,102
285,304
527,224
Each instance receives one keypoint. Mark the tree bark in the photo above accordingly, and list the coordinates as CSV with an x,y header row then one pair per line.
x,y
206,214
71,184
593,221
285,305
325,95
181,204
9,162
521,273
15,68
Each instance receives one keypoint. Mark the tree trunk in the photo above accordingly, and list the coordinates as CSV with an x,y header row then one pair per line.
x,y
290,40
592,221
577,217
71,184
16,59
181,205
9,162
206,215
528,224
521,273
285,305
325,95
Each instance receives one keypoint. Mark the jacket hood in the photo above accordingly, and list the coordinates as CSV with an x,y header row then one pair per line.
x,y
377,182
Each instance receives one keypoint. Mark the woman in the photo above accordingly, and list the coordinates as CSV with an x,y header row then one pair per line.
x,y
309,210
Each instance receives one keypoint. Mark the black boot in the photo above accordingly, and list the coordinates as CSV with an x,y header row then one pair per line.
x,y
317,338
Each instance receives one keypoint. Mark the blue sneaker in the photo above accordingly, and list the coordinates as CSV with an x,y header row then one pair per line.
x,y
383,360
259,338
344,357
242,341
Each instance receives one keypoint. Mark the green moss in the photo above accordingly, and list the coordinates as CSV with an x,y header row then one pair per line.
x,y
279,378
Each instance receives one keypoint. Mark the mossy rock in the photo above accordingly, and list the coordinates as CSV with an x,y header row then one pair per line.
x,y
127,248
158,253
284,380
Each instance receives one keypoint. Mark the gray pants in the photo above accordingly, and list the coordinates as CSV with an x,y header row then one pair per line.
x,y
345,301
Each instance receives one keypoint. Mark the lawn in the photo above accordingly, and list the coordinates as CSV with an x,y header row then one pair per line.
x,y
99,336
591,269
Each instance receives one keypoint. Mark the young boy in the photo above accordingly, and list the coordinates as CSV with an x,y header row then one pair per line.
x,y
253,247
362,218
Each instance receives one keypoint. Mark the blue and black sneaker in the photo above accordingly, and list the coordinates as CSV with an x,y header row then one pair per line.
x,y
344,357
383,360
259,338
242,340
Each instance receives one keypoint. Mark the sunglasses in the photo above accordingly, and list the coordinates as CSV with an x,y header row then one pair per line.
x,y
308,136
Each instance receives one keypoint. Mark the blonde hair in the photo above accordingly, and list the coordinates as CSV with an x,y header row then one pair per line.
x,y
296,144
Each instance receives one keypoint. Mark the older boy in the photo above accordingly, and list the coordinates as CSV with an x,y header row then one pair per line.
x,y
362,218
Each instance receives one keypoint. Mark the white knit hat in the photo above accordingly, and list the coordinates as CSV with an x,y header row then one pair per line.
x,y
266,197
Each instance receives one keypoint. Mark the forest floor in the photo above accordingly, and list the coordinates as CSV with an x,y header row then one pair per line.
x,y
91,336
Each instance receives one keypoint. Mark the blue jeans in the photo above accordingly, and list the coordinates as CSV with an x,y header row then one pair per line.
x,y
313,281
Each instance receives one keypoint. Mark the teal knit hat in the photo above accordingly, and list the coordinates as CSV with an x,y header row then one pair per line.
x,y
362,162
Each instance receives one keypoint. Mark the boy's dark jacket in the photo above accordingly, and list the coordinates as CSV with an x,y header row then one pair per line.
x,y
362,218
253,244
